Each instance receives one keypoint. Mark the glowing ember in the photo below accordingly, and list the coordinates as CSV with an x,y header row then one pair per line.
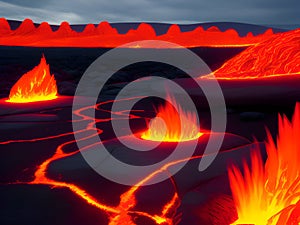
x,y
166,126
36,85
270,194
277,56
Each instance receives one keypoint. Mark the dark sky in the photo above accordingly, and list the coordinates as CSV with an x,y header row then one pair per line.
x,y
174,11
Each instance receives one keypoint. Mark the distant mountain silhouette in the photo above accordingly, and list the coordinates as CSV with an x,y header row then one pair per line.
x,y
161,28
4,26
44,29
104,28
143,30
89,29
65,30
26,27
105,34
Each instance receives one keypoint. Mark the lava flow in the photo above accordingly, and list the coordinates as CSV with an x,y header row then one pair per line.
x,y
277,56
124,213
104,35
270,194
38,85
35,85
172,126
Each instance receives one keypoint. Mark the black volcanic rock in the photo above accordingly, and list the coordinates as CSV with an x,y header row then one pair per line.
x,y
66,88
41,204
252,116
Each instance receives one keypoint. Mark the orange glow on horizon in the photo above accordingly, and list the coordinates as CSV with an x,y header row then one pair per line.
x,y
270,194
104,35
167,126
34,86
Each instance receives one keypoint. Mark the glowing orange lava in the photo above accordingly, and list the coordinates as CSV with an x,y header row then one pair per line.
x,y
104,35
277,56
124,212
35,85
167,126
270,194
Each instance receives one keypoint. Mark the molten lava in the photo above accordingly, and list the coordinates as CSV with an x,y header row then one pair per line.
x,y
167,125
36,85
277,56
104,35
270,194
124,212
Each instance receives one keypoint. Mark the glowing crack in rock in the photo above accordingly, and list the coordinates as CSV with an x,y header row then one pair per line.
x,y
124,212
167,125
35,85
270,194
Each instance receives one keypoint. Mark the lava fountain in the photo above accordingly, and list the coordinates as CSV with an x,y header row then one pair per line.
x,y
270,194
36,85
171,125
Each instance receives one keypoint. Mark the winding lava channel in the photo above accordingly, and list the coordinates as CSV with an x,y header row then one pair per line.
x,y
120,214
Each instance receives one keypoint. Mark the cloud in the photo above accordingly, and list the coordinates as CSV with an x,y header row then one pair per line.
x,y
188,11
19,12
